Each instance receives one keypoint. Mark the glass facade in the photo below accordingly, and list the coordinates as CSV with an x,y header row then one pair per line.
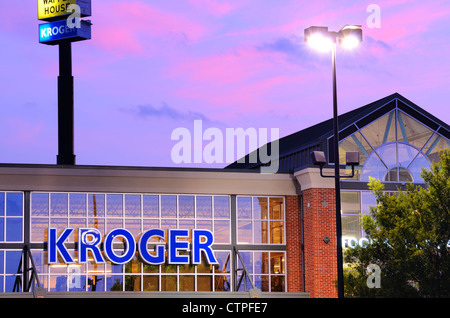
x,y
135,212
394,148
134,276
259,225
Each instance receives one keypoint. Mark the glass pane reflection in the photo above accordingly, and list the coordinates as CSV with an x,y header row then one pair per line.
x,y
381,131
406,154
39,204
416,167
373,167
221,207
204,207
354,143
14,204
77,205
58,205
413,132
132,206
436,143
114,205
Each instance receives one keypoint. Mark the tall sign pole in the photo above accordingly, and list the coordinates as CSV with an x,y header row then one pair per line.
x,y
66,154
62,28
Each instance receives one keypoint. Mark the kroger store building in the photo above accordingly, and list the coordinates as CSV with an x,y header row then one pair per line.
x,y
233,232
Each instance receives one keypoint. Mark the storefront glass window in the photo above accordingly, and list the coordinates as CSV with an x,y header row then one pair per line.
x,y
10,270
351,211
263,216
260,220
136,213
266,270
133,276
353,205
11,217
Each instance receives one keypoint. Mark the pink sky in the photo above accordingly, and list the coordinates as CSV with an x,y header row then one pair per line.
x,y
153,66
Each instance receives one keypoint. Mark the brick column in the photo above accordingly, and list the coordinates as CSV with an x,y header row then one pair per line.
x,y
320,257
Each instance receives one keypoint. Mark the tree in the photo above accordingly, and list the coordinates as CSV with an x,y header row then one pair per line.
x,y
409,233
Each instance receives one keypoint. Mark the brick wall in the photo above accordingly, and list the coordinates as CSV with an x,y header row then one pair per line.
x,y
320,258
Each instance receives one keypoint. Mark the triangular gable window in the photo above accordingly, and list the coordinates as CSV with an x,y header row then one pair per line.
x,y
394,147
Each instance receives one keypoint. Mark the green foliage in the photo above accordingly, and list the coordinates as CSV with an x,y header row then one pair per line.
x,y
409,232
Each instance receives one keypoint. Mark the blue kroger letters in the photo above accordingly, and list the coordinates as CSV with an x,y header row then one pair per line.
x,y
89,239
56,245
143,241
198,246
84,244
129,244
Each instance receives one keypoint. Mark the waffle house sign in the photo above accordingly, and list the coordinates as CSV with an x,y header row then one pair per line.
x,y
51,10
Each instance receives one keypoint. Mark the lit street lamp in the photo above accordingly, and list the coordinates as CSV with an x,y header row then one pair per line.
x,y
323,40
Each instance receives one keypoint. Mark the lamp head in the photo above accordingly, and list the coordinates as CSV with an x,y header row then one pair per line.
x,y
319,38
350,36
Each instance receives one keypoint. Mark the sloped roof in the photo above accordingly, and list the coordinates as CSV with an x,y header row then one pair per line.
x,y
319,135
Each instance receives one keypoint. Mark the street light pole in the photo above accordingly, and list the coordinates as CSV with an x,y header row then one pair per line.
x,y
349,36
337,184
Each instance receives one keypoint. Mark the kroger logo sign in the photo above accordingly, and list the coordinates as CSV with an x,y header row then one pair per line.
x,y
89,239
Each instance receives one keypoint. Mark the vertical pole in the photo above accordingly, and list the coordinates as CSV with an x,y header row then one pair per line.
x,y
233,258
26,240
340,274
65,106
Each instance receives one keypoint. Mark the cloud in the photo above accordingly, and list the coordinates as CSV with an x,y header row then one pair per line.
x,y
165,111
282,44
293,48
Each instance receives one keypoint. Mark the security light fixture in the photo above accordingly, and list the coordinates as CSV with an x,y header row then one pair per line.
x,y
350,36
319,38
351,159
318,158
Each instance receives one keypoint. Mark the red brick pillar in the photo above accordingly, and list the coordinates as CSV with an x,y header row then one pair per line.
x,y
293,245
320,257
